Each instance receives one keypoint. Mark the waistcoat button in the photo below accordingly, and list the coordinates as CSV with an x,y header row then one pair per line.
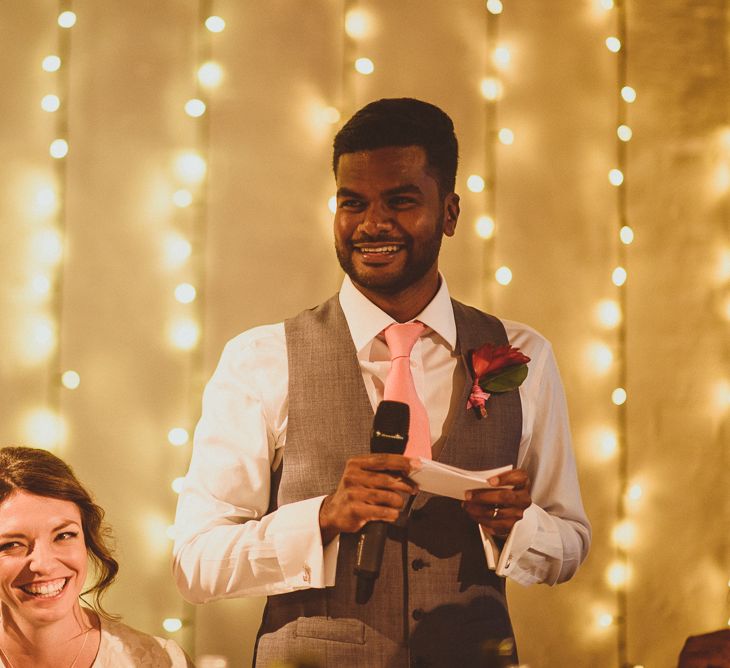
x,y
418,564
417,614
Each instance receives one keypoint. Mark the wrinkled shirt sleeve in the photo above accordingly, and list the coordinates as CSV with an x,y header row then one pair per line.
x,y
552,539
226,545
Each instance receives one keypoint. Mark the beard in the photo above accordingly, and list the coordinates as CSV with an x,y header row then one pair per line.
x,y
419,260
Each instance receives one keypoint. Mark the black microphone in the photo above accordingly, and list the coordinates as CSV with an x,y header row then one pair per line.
x,y
389,435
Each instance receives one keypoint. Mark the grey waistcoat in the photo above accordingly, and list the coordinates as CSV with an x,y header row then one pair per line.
x,y
435,603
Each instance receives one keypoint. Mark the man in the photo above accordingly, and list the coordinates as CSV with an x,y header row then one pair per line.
x,y
281,479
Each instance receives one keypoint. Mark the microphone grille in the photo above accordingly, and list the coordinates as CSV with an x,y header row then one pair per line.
x,y
392,417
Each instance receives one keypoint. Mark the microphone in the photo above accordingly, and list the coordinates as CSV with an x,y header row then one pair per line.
x,y
389,435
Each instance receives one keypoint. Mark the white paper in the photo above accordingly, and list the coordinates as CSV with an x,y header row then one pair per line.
x,y
446,480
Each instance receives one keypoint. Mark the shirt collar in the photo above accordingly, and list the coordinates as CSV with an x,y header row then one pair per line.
x,y
366,320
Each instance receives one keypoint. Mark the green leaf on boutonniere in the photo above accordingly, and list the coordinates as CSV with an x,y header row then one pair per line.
x,y
504,381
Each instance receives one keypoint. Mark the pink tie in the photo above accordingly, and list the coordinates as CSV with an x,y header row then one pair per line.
x,y
399,386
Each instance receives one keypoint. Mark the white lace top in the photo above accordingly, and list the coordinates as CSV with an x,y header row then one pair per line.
x,y
124,647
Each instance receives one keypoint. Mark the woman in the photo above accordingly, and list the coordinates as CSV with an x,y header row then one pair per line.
x,y
49,531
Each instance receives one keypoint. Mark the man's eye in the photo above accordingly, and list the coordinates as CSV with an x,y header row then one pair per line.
x,y
350,204
402,201
10,546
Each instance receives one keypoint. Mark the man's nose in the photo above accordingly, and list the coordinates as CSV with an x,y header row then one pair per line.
x,y
376,220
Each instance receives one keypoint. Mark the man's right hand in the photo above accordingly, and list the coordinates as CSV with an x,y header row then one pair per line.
x,y
370,489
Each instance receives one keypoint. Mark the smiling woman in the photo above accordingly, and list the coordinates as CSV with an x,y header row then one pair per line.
x,y
50,529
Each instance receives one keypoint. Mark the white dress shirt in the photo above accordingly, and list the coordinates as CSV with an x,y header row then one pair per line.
x,y
227,546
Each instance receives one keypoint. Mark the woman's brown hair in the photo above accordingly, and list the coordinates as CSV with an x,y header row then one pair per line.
x,y
42,473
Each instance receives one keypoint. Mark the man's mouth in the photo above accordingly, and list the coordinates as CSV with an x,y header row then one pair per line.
x,y
377,249
47,589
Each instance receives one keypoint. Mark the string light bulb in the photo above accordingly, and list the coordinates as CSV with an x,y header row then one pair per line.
x,y
608,313
195,108
51,63
503,275
619,276
501,57
607,443
172,624
626,234
215,24
494,6
70,379
45,429
475,183
177,484
176,250
506,136
613,44
182,198
616,177
332,203
624,132
628,94
624,534
619,396
635,492
50,103
210,74
491,88
58,148
485,227
67,19
185,293
357,23
184,334
190,167
604,620
178,436
617,575
364,66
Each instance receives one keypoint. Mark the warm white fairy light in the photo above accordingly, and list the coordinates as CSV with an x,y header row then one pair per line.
x,y
617,575
604,620
495,6
51,63
506,136
624,534
50,103
45,201
44,428
38,338
619,396
177,250
600,357
40,285
485,227
608,313
210,74
182,198
358,23
195,107
501,57
184,333
185,293
634,492
58,148
330,115
616,177
491,88
70,379
215,24
619,276
47,247
332,203
613,44
624,132
190,167
606,4
503,275
606,443
364,66
178,436
628,94
475,183
177,484
171,533
626,234
67,19
172,624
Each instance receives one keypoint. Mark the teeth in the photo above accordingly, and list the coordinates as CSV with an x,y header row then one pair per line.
x,y
45,589
380,249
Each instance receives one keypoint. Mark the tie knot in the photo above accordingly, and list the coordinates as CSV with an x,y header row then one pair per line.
x,y
401,338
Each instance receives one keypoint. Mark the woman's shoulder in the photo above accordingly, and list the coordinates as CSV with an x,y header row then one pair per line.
x,y
123,646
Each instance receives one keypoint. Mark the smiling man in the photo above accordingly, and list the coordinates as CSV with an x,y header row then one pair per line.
x,y
282,481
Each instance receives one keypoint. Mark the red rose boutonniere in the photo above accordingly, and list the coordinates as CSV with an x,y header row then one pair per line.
x,y
496,369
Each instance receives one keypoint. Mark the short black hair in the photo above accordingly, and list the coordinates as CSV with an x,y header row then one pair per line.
x,y
403,122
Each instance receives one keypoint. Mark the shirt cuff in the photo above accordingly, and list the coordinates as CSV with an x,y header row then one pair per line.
x,y
297,538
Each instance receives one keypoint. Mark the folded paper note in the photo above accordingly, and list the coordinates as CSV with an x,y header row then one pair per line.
x,y
445,480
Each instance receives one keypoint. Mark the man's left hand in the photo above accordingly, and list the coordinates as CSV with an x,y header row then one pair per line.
x,y
497,510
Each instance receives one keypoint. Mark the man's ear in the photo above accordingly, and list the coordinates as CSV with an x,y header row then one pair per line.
x,y
451,213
